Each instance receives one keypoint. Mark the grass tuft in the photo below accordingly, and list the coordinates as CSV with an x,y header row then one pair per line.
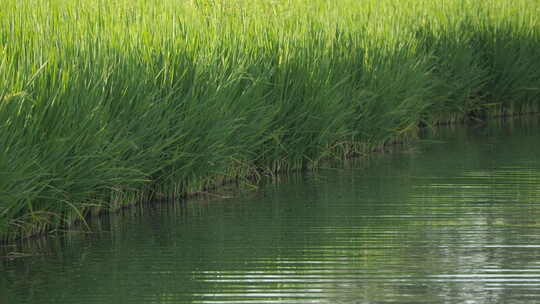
x,y
107,103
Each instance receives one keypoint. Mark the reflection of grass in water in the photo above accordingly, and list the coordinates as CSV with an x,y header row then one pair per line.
x,y
103,104
512,186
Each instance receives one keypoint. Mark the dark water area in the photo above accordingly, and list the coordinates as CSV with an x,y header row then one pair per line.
x,y
453,219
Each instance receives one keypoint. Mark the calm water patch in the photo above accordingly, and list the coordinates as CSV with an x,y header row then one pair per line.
x,y
453,220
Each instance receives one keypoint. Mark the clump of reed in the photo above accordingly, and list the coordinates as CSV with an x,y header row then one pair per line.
x,y
107,103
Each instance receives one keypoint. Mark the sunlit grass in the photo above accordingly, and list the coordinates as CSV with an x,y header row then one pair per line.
x,y
106,103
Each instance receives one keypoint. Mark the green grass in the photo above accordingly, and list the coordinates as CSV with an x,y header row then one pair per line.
x,y
107,103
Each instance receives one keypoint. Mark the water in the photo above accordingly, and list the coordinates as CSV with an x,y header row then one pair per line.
x,y
455,219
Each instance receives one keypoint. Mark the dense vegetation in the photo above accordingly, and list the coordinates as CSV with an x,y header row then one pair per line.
x,y
107,103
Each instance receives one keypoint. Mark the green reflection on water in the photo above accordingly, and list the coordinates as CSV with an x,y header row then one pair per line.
x,y
452,220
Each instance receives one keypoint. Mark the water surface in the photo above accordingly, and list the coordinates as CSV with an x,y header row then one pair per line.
x,y
456,219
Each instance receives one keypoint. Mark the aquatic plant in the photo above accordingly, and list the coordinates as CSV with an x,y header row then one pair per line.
x,y
107,103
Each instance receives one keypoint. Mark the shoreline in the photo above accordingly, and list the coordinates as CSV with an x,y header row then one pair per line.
x,y
210,194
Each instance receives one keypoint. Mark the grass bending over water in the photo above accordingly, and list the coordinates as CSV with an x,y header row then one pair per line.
x,y
107,103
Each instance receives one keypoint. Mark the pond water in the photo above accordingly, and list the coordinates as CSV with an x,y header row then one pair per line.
x,y
455,219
